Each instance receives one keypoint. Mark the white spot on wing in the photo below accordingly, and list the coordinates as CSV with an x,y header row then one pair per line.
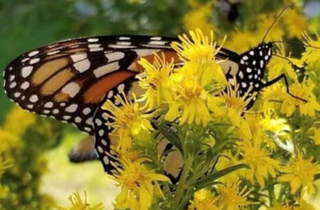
x,y
114,56
82,66
17,94
157,42
103,70
71,89
78,57
72,108
89,121
98,122
120,88
33,98
86,111
13,84
106,160
48,104
33,53
92,39
156,38
26,71
124,38
77,119
144,52
34,60
53,52
120,46
110,94
124,43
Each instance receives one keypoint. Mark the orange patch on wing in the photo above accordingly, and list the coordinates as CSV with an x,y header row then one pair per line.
x,y
61,97
56,82
168,56
48,69
95,93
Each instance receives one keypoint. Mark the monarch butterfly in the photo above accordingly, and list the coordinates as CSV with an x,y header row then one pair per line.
x,y
71,79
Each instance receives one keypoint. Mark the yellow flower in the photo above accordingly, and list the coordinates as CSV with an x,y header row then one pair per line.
x,y
280,206
232,197
261,165
235,107
272,96
198,17
304,205
248,39
227,159
128,119
139,185
300,174
203,200
264,22
156,82
24,118
295,23
312,53
79,204
198,48
316,136
302,91
197,81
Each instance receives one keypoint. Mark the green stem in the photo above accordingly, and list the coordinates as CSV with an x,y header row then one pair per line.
x,y
182,184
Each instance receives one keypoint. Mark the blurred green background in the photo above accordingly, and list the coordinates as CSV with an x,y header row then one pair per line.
x,y
29,24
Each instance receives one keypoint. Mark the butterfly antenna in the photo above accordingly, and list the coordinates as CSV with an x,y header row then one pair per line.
x,y
276,19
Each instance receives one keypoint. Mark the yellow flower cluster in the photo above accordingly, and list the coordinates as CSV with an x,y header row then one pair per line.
x,y
209,124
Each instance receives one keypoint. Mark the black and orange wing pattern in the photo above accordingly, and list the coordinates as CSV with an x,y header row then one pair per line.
x,y
69,80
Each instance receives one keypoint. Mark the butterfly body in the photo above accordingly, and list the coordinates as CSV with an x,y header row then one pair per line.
x,y
70,80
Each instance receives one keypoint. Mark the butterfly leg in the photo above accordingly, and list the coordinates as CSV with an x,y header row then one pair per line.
x,y
283,76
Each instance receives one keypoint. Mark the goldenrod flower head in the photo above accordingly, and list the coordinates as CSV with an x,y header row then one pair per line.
x,y
79,204
203,200
274,124
264,22
273,96
156,81
139,185
247,40
236,104
280,206
312,52
227,159
198,17
304,205
232,197
192,99
128,118
316,136
24,118
300,174
261,165
302,91
196,81
199,48
295,23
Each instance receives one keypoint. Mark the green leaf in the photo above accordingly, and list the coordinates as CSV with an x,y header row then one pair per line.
x,y
169,134
210,179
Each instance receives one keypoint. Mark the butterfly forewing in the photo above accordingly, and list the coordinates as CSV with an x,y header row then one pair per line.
x,y
68,79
